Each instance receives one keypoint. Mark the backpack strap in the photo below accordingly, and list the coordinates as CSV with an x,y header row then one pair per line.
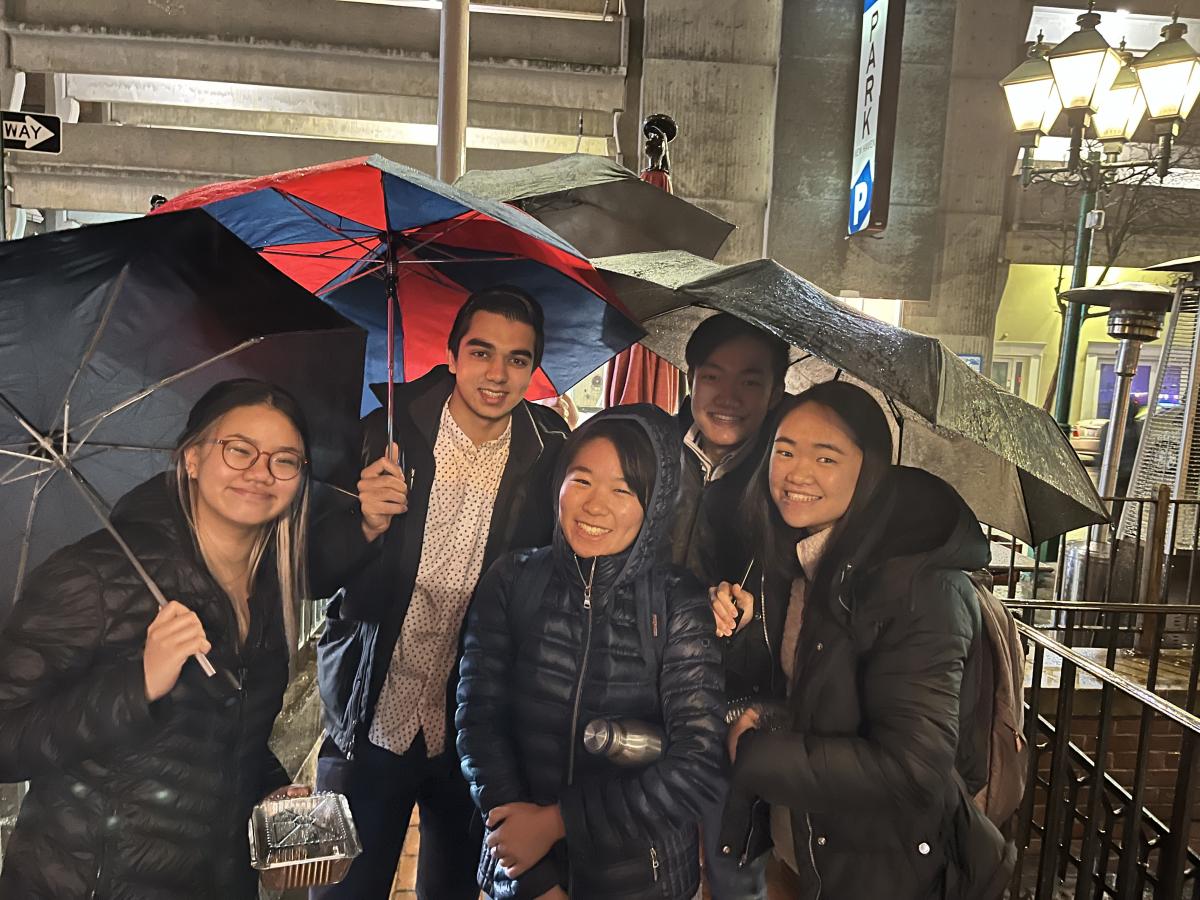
x,y
528,588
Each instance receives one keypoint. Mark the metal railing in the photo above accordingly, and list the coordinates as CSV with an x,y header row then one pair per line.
x,y
1086,828
1112,626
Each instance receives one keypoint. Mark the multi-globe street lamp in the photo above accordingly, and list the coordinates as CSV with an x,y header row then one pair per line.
x,y
1107,94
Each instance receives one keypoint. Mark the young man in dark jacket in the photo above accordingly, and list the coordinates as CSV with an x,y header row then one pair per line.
x,y
468,478
735,378
735,374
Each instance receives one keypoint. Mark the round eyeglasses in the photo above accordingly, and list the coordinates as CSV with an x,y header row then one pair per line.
x,y
284,465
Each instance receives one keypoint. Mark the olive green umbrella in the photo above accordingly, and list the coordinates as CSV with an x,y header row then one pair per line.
x,y
600,207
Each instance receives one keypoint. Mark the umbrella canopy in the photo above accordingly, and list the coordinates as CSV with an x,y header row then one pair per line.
x,y
377,241
1006,457
1189,264
108,336
602,208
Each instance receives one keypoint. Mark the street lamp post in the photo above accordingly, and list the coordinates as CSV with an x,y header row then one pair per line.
x,y
1108,92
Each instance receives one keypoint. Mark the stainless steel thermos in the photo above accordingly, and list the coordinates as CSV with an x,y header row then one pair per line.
x,y
626,742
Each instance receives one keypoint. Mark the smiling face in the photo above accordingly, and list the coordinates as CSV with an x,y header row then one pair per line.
x,y
815,465
598,512
244,499
732,392
492,368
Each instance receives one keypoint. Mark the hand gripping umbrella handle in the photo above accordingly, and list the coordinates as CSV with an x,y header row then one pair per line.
x,y
155,590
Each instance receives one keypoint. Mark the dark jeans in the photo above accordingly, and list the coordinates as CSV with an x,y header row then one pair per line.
x,y
725,880
382,789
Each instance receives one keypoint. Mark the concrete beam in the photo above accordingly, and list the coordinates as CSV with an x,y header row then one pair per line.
x,y
711,65
588,8
320,68
362,27
1044,247
107,168
140,97
287,124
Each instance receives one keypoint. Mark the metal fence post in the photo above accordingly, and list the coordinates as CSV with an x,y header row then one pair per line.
x,y
1156,551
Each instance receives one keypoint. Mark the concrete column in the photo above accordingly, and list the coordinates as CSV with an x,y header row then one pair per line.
x,y
970,268
945,238
57,103
453,52
818,86
710,64
628,128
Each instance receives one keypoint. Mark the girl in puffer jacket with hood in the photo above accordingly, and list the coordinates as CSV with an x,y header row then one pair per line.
x,y
142,770
612,632
869,642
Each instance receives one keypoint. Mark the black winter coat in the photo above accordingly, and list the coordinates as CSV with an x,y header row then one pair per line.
x,y
880,667
130,800
704,538
376,579
531,683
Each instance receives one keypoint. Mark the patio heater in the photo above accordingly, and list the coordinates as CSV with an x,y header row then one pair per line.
x,y
1135,315
1168,451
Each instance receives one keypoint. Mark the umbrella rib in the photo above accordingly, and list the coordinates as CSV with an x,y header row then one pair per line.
x,y
297,253
26,456
27,537
458,223
8,478
92,498
93,423
114,291
342,234
22,458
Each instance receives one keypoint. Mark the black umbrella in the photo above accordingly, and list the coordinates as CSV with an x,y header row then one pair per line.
x,y
1007,458
109,334
602,208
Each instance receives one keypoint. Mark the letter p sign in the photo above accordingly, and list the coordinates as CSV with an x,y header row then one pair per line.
x,y
860,201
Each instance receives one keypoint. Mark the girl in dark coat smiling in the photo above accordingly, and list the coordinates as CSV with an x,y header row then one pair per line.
x,y
873,653
142,770
596,626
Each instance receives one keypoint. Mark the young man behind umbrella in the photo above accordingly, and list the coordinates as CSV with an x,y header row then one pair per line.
x,y
735,374
469,480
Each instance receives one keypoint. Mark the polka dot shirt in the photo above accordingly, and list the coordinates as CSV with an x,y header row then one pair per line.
x,y
466,481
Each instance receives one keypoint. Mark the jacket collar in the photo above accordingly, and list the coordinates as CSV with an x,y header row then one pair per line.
x,y
421,403
651,543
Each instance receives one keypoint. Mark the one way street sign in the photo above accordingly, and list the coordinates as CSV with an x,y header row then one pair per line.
x,y
36,132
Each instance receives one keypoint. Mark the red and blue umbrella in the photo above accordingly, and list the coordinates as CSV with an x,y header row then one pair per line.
x,y
397,252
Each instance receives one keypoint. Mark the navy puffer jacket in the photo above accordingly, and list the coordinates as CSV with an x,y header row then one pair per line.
x,y
525,698
130,800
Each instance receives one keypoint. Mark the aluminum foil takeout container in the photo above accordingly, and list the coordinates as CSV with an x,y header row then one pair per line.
x,y
298,842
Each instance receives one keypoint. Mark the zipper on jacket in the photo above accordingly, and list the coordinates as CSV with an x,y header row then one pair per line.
x,y
654,862
587,648
812,856
95,894
762,604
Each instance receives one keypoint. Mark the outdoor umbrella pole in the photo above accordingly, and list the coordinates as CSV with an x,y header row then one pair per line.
x,y
393,301
97,505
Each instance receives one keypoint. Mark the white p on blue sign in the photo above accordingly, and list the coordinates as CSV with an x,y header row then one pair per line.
x,y
875,116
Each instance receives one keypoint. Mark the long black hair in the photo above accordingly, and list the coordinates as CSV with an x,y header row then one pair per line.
x,y
776,540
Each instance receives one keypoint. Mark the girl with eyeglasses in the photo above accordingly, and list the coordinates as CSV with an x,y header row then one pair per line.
x,y
142,770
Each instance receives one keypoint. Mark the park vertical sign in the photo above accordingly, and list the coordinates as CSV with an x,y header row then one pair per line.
x,y
875,119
